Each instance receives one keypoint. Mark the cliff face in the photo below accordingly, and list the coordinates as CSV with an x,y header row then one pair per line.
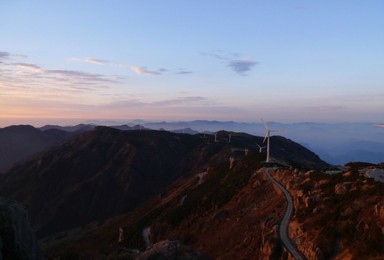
x,y
338,216
17,239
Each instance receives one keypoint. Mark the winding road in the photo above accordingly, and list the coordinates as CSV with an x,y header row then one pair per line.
x,y
283,230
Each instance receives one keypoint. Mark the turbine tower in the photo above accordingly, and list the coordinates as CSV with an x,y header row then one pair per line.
x,y
267,137
229,137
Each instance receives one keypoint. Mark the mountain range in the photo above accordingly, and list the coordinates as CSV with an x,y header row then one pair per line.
x,y
106,171
335,143
107,193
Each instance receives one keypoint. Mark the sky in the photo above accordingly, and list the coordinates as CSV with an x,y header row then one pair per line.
x,y
72,61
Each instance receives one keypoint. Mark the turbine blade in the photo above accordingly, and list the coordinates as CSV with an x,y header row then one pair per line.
x,y
265,124
266,136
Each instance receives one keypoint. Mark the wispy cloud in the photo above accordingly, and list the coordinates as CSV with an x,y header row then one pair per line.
x,y
4,54
141,70
196,101
66,75
93,61
182,101
79,75
29,81
30,67
236,62
326,109
184,72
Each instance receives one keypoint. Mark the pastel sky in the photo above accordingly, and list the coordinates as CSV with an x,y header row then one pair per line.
x,y
69,61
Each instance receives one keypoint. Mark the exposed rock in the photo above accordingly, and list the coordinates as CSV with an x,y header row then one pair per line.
x,y
231,162
342,188
17,239
379,211
321,183
305,245
309,201
266,249
256,184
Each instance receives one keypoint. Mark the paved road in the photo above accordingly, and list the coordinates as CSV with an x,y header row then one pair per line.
x,y
283,230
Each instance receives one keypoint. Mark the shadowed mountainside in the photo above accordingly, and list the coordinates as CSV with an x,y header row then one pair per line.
x,y
20,142
228,215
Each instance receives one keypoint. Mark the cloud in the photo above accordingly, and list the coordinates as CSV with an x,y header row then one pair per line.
x,y
30,67
241,66
234,61
194,101
326,109
67,75
219,54
93,61
41,80
4,54
144,71
140,70
184,72
181,101
79,75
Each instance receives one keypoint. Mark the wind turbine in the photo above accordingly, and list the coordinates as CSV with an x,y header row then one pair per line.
x,y
267,137
215,137
229,137
260,148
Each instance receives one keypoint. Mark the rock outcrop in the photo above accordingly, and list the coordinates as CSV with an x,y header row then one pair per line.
x,y
17,239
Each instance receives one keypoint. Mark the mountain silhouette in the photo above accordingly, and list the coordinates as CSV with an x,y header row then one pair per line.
x,y
21,141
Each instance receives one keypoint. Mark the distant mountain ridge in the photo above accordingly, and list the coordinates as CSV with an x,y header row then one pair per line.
x,y
335,143
22,141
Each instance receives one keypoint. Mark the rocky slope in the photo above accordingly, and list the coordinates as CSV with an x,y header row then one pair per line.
x,y
227,215
339,216
17,239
